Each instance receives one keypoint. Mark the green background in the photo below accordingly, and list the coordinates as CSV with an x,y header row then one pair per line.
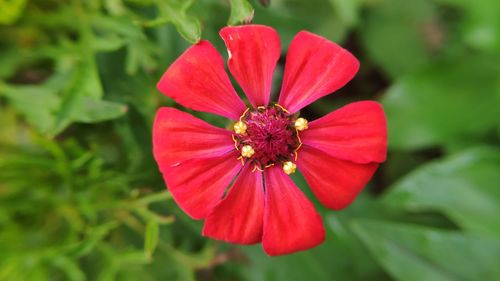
x,y
80,194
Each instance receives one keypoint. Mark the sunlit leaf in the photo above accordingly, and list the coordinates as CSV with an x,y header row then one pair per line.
x,y
11,10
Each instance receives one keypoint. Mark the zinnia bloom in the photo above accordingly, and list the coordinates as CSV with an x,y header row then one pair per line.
x,y
238,180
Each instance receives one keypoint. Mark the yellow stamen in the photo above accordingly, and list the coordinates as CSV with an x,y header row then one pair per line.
x,y
301,124
244,113
282,108
240,127
257,168
289,167
242,160
247,151
298,147
235,142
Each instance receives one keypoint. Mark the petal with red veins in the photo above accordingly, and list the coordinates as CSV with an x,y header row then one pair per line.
x,y
239,217
315,67
197,80
356,132
198,185
179,136
336,183
253,51
291,223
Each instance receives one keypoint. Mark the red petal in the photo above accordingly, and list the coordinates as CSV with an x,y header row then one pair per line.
x,y
336,183
253,53
356,132
197,80
198,185
315,67
291,223
239,217
179,136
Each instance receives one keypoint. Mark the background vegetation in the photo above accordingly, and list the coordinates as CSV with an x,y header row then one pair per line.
x,y
81,197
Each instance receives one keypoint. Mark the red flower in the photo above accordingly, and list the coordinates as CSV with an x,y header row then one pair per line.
x,y
337,154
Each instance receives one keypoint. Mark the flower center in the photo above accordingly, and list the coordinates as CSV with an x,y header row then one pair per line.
x,y
268,136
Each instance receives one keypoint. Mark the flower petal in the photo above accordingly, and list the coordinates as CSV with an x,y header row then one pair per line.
x,y
336,183
239,217
179,136
253,51
197,80
315,67
197,185
291,223
356,132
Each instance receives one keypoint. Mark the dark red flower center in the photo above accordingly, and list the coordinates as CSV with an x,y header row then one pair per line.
x,y
271,133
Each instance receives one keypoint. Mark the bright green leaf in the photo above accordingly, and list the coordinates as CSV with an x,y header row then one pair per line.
x,y
175,12
241,12
11,10
151,237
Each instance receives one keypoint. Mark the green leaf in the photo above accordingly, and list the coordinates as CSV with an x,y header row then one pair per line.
x,y
241,12
445,103
91,110
415,253
11,10
69,267
37,103
151,237
332,260
480,26
347,10
93,236
464,187
81,99
392,34
175,12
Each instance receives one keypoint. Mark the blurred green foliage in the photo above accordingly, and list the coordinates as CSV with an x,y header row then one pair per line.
x,y
81,197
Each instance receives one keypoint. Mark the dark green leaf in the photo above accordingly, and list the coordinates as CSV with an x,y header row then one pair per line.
x,y
464,187
481,26
392,32
445,103
415,253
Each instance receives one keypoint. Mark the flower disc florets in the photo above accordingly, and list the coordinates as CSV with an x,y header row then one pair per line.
x,y
271,132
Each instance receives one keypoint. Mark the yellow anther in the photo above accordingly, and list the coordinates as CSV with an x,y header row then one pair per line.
x,y
301,124
240,127
289,167
247,151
